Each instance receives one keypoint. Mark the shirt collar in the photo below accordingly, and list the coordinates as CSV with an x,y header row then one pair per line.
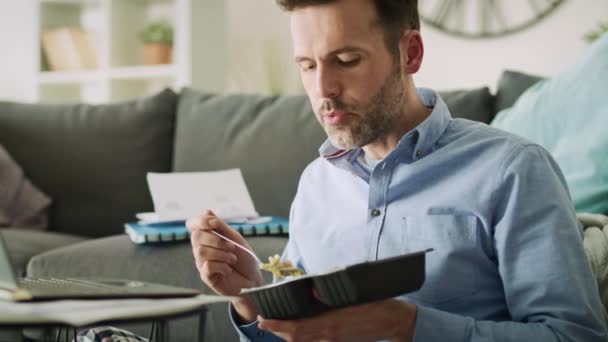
x,y
433,127
414,145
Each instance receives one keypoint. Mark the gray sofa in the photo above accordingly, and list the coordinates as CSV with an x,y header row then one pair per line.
x,y
92,160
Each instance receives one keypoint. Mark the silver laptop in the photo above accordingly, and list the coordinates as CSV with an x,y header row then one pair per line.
x,y
35,289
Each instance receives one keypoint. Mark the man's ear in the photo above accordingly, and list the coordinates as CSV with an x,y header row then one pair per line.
x,y
411,51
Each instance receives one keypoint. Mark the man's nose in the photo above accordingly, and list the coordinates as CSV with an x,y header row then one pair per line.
x,y
327,83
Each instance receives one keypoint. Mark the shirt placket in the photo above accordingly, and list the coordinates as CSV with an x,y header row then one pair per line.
x,y
376,211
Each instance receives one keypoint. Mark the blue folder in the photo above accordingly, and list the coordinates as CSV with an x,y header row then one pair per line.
x,y
142,233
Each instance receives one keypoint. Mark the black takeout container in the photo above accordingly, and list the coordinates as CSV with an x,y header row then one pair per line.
x,y
355,284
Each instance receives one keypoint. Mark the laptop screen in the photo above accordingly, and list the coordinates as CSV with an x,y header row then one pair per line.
x,y
7,276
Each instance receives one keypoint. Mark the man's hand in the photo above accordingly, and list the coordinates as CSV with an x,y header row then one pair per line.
x,y
222,266
392,320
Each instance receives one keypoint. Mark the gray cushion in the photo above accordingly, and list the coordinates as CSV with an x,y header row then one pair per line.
x,y
511,85
23,244
91,159
475,104
271,139
166,263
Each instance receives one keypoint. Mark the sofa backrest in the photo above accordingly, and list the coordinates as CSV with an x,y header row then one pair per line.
x,y
510,87
91,159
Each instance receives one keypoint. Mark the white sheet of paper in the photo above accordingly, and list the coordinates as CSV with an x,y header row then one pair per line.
x,y
180,195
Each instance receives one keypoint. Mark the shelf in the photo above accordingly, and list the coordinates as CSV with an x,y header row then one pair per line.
x,y
69,2
143,72
63,77
116,26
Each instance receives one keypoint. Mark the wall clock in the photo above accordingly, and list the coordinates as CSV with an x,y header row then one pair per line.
x,y
484,18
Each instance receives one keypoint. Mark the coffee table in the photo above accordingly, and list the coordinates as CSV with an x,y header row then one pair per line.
x,y
66,315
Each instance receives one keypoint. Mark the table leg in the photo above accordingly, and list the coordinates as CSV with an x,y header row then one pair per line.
x,y
201,325
162,331
58,335
152,331
48,334
67,334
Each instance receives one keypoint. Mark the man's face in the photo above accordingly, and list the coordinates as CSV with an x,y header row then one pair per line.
x,y
353,82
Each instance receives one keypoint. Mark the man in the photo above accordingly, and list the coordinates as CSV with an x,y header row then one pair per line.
x,y
398,174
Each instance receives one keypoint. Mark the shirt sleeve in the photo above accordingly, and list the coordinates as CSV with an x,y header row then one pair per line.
x,y
549,287
250,332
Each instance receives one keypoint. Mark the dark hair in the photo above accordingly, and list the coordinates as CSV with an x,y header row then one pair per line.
x,y
395,16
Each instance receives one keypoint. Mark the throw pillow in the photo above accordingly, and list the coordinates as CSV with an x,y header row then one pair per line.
x,y
568,115
475,104
22,205
510,87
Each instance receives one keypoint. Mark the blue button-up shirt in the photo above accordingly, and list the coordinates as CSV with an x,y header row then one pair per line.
x,y
508,262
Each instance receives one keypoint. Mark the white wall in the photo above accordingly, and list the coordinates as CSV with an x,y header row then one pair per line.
x,y
258,42
17,34
543,49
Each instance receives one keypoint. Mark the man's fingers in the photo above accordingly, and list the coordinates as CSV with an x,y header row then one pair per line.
x,y
204,238
287,330
276,326
197,223
206,221
212,272
202,221
209,221
307,329
208,253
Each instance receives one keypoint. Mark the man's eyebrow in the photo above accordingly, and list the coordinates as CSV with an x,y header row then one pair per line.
x,y
345,49
299,59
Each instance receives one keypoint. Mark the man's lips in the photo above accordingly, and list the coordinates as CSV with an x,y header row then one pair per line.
x,y
336,117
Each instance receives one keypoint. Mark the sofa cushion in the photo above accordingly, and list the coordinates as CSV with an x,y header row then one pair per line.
x,y
474,104
91,159
510,87
270,138
23,244
22,204
567,116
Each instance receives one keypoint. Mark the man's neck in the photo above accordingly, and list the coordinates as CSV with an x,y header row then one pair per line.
x,y
415,113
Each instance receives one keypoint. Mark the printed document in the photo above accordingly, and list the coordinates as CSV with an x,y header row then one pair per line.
x,y
180,195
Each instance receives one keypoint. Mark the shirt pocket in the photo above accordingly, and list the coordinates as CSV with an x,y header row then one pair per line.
x,y
450,267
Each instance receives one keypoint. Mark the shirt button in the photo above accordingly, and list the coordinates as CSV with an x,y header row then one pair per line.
x,y
260,333
376,212
418,153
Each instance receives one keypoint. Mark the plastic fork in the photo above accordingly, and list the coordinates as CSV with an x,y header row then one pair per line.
x,y
250,252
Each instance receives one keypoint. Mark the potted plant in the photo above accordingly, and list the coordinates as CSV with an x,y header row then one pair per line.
x,y
594,35
158,43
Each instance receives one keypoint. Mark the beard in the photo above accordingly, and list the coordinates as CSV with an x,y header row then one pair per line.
x,y
375,121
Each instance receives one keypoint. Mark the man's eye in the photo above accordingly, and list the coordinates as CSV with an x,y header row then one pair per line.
x,y
307,66
348,61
